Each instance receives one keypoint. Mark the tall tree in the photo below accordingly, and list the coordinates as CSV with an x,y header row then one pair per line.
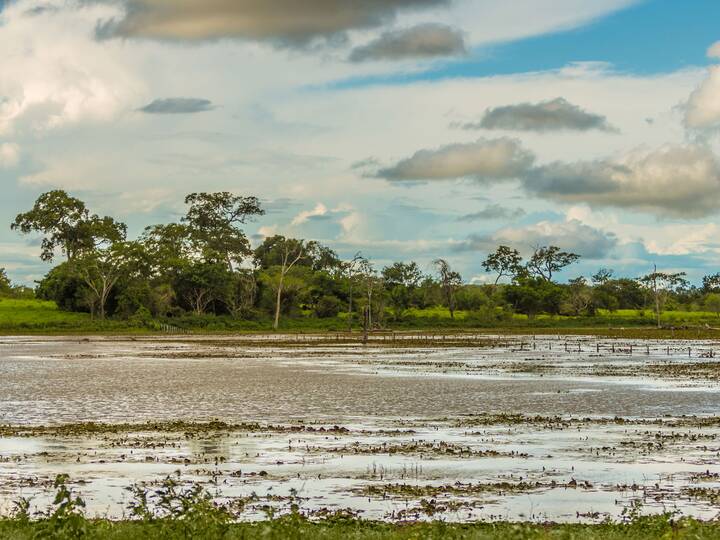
x,y
169,247
401,279
202,283
372,283
100,270
711,283
285,253
315,256
505,262
548,260
67,225
660,285
322,258
5,286
352,270
241,293
214,220
450,282
579,297
602,276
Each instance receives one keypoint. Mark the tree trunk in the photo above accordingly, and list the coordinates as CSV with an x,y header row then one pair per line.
x,y
350,311
277,303
369,317
366,323
103,298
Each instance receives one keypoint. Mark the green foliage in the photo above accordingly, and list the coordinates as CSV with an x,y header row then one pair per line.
x,y
531,296
549,260
190,510
5,286
310,254
200,285
327,306
712,303
401,282
67,224
214,220
505,262
200,274
65,519
472,298
173,511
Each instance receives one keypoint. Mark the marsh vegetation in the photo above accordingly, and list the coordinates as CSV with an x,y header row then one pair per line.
x,y
338,437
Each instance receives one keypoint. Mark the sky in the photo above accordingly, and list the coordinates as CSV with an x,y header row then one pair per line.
x,y
401,129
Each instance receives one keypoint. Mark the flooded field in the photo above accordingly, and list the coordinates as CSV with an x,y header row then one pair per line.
x,y
560,428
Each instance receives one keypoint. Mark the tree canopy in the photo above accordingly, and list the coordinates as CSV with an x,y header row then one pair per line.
x,y
204,266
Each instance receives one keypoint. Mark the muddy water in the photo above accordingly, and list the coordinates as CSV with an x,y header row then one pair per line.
x,y
58,381
409,419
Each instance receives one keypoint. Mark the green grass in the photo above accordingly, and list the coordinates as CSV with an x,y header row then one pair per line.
x,y
292,528
33,313
37,317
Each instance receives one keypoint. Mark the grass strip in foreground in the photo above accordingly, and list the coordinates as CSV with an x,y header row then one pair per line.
x,y
296,527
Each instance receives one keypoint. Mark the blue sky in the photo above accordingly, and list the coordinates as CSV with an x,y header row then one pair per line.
x,y
410,130
648,37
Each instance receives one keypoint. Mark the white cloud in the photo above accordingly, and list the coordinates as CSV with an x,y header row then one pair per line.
x,y
683,239
350,223
53,73
319,210
72,105
703,107
9,155
714,50
267,231
656,238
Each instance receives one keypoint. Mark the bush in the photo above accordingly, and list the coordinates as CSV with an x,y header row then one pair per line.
x,y
141,318
327,307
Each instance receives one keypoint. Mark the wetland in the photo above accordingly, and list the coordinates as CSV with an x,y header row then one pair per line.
x,y
500,428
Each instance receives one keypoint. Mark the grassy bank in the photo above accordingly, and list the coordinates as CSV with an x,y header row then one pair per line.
x,y
41,317
291,527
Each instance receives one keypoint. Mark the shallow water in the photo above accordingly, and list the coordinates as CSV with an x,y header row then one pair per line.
x,y
595,466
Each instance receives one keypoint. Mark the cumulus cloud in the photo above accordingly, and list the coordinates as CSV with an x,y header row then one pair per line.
x,y
9,155
703,107
493,211
177,106
714,50
320,211
682,181
290,22
53,75
554,115
484,159
421,41
571,235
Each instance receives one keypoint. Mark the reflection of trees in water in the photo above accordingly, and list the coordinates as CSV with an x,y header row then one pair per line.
x,y
224,447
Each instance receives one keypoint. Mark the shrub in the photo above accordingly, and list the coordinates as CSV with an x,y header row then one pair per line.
x,y
327,307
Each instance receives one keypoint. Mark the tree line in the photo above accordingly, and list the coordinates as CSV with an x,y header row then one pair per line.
x,y
204,265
